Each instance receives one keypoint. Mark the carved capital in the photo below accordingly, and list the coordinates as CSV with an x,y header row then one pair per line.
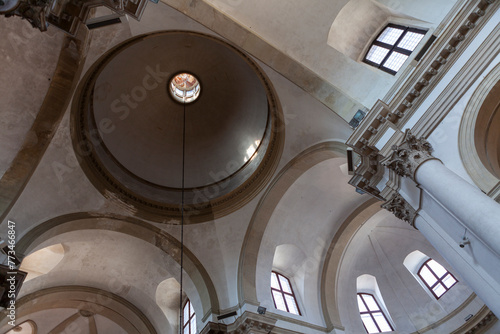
x,y
398,206
408,156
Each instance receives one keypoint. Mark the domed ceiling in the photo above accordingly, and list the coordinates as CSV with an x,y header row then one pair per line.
x,y
128,129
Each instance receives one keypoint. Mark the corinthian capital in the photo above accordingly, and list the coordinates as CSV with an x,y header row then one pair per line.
x,y
398,206
409,155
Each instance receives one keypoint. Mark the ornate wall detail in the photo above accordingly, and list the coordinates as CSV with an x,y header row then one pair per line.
x,y
245,324
483,323
66,14
398,206
408,156
34,11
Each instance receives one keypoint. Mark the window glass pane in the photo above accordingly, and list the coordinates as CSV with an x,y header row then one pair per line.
x,y
437,268
186,313
427,276
279,301
376,54
410,41
189,93
439,290
186,330
285,284
292,306
369,324
382,322
361,305
193,325
274,281
449,281
390,35
395,61
179,92
370,302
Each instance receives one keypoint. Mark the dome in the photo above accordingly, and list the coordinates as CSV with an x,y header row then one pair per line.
x,y
133,125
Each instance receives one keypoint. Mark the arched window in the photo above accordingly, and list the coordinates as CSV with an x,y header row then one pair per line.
x,y
436,278
189,319
283,296
392,47
374,319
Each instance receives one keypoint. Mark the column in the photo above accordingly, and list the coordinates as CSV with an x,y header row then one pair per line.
x,y
476,211
468,207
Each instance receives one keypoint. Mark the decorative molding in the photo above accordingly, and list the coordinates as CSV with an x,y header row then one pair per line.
x,y
248,322
478,324
409,155
68,15
469,154
398,206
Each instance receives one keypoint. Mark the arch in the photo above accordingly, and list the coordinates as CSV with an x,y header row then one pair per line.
x,y
288,175
333,259
268,202
475,142
85,301
135,228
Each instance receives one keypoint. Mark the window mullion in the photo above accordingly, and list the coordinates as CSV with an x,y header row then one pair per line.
x,y
375,322
401,37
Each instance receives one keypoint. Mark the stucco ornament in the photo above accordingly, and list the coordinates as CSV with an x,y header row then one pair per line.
x,y
34,11
398,206
409,155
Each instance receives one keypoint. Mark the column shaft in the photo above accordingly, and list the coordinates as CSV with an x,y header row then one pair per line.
x,y
448,249
477,212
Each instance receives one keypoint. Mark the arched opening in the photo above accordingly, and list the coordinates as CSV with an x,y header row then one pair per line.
x,y
486,132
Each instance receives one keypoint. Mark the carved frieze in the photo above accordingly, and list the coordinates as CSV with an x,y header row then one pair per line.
x,y
398,206
408,156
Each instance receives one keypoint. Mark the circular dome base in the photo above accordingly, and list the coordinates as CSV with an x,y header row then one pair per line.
x,y
127,129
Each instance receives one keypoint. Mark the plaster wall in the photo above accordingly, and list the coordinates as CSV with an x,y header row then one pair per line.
x,y
28,60
379,249
301,31
307,216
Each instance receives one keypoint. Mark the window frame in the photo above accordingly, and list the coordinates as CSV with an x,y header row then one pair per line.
x,y
392,48
191,316
380,310
283,293
439,280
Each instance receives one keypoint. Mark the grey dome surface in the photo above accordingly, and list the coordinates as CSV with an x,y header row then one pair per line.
x,y
141,124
